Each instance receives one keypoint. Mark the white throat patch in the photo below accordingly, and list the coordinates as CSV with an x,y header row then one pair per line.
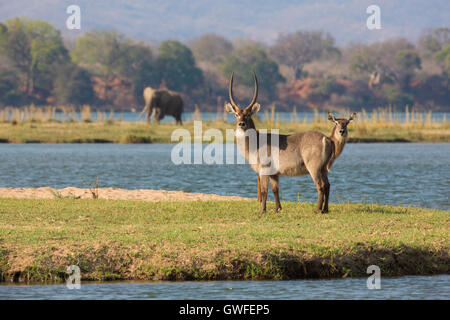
x,y
240,133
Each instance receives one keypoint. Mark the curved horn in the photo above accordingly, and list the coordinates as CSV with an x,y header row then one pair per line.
x,y
255,94
230,92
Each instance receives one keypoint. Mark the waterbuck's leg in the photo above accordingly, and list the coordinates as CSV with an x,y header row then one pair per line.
x,y
274,182
264,183
320,185
327,190
321,193
259,188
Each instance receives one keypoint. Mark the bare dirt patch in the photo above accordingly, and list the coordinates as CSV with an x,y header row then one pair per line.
x,y
112,194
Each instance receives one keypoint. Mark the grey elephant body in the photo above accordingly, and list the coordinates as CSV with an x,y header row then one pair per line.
x,y
159,103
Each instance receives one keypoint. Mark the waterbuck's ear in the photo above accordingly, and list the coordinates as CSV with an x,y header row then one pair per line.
x,y
352,117
255,108
331,117
229,108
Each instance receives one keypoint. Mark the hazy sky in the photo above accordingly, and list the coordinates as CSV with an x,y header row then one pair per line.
x,y
263,20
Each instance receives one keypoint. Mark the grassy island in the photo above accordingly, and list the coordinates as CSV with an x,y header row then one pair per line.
x,y
216,240
141,132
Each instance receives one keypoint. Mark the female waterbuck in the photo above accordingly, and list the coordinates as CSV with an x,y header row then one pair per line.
x,y
289,155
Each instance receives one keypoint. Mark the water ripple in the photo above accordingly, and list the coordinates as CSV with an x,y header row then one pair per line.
x,y
412,174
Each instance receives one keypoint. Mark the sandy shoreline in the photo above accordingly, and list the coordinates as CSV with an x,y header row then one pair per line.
x,y
111,193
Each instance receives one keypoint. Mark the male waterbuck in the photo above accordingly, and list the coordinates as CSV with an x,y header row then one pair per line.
x,y
289,155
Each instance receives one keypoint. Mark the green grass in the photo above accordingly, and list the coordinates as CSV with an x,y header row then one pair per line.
x,y
140,132
111,239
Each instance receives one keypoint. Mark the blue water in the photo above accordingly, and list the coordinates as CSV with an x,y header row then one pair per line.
x,y
410,174
287,116
409,287
403,174
278,116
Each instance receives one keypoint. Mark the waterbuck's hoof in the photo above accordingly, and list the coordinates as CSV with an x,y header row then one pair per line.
x,y
278,209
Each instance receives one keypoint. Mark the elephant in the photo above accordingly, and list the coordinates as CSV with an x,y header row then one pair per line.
x,y
162,102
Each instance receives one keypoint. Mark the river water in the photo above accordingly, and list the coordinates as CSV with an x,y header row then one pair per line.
x,y
401,174
277,116
408,287
409,174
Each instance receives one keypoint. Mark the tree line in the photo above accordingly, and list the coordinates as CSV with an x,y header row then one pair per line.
x,y
305,69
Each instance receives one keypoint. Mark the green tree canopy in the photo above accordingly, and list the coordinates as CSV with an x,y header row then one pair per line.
x,y
176,66
297,49
211,48
443,58
395,60
9,87
139,66
406,62
246,59
36,49
104,53
73,86
433,40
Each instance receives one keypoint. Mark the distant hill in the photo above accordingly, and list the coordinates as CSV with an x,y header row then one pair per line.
x,y
263,20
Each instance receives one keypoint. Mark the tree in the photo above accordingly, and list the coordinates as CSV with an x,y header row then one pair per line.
x,y
16,47
73,86
297,49
406,62
396,97
139,66
244,60
395,61
433,40
9,76
104,53
443,58
9,87
407,59
211,48
176,66
47,54
35,48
